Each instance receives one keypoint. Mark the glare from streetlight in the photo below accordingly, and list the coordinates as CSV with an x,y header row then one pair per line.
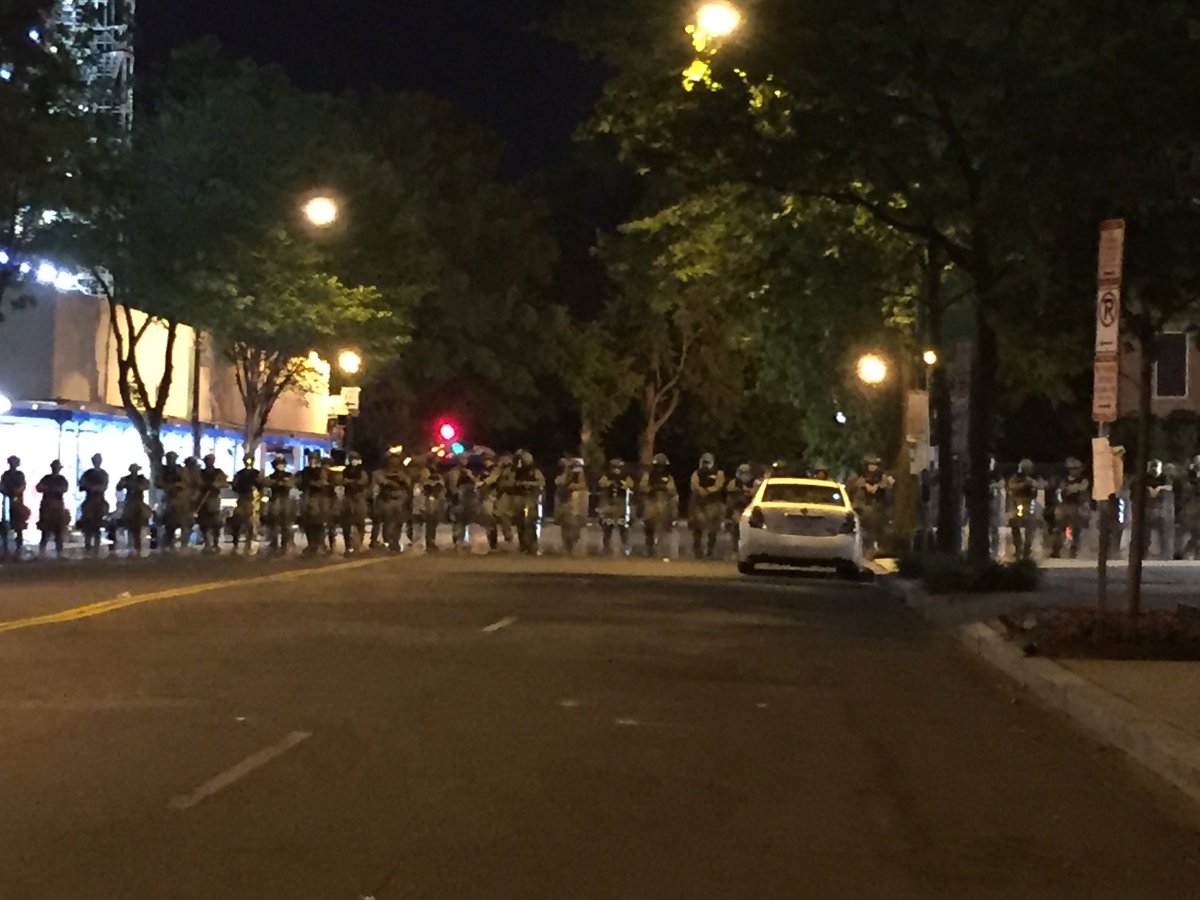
x,y
321,211
350,362
930,357
718,19
872,369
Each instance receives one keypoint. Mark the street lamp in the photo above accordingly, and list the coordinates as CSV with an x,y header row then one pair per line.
x,y
872,369
350,362
321,211
718,19
930,357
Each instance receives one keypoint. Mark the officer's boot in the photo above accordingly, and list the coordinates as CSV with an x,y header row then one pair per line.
x,y
712,544
649,539
1018,542
607,540
697,538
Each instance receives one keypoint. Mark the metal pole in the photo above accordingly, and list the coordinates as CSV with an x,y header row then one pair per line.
x,y
1105,536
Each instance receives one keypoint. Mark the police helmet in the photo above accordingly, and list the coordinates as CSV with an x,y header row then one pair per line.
x,y
819,468
708,461
1073,464
660,459
55,466
616,463
1025,467
524,458
210,457
744,472
97,459
14,461
355,458
134,468
872,460
248,459
575,464
279,462
1154,467
172,456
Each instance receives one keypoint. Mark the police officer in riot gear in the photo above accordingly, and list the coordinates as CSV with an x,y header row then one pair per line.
x,y
356,503
738,493
53,516
1160,509
174,507
871,494
1073,509
433,500
659,499
571,500
313,482
616,489
1022,489
1189,514
248,484
528,486
212,481
462,498
93,515
393,500
280,511
14,517
706,506
134,511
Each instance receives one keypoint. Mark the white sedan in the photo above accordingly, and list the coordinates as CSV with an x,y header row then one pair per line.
x,y
800,522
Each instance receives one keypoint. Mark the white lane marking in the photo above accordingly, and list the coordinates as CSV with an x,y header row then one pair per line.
x,y
568,703
626,722
241,770
496,626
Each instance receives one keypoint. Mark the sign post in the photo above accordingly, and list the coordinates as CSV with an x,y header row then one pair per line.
x,y
1105,398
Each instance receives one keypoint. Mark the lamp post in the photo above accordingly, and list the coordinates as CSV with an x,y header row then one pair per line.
x,y
321,211
718,19
350,363
872,369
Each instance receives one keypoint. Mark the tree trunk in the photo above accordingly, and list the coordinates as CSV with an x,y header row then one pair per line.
x,y
196,429
979,435
646,441
941,404
1137,527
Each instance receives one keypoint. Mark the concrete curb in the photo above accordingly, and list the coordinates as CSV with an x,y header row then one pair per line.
x,y
1169,752
1160,747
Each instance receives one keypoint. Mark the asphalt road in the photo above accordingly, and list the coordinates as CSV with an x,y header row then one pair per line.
x,y
463,728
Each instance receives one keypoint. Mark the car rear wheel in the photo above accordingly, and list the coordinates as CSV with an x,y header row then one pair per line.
x,y
745,568
848,569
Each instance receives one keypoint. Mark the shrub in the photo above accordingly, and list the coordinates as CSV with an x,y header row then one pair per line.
x,y
949,574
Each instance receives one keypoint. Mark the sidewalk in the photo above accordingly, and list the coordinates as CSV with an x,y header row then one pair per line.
x,y
1149,710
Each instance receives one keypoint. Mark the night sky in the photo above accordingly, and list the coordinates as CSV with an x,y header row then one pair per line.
x,y
484,55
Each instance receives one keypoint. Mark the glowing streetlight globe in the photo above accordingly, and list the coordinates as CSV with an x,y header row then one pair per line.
x,y
872,369
321,211
718,19
349,362
930,357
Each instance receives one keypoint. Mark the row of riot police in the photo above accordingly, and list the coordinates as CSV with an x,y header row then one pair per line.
x,y
1062,508
54,516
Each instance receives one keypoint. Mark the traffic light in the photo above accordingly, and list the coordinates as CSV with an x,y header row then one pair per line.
x,y
447,431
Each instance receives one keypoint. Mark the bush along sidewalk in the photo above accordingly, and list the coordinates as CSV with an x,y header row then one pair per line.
x,y
941,573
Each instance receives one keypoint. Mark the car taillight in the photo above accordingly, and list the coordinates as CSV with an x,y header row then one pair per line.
x,y
757,519
850,524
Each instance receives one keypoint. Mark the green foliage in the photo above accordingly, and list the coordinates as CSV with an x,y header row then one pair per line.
x,y
45,155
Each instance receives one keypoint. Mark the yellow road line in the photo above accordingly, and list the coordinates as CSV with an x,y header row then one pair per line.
x,y
107,606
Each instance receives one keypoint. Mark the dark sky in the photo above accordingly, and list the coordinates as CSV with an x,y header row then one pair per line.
x,y
481,54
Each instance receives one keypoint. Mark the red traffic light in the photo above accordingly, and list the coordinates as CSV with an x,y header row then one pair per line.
x,y
447,431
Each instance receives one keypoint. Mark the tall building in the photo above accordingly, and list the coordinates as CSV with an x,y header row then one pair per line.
x,y
101,33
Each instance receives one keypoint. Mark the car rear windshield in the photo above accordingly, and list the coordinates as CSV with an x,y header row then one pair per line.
x,y
825,495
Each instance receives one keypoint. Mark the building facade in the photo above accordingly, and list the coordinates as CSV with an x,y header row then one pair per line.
x,y
59,382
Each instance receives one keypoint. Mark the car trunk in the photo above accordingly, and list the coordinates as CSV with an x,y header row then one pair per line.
x,y
805,521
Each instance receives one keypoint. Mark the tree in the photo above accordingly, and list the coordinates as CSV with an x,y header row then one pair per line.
x,y
279,308
923,117
481,251
686,306
45,155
